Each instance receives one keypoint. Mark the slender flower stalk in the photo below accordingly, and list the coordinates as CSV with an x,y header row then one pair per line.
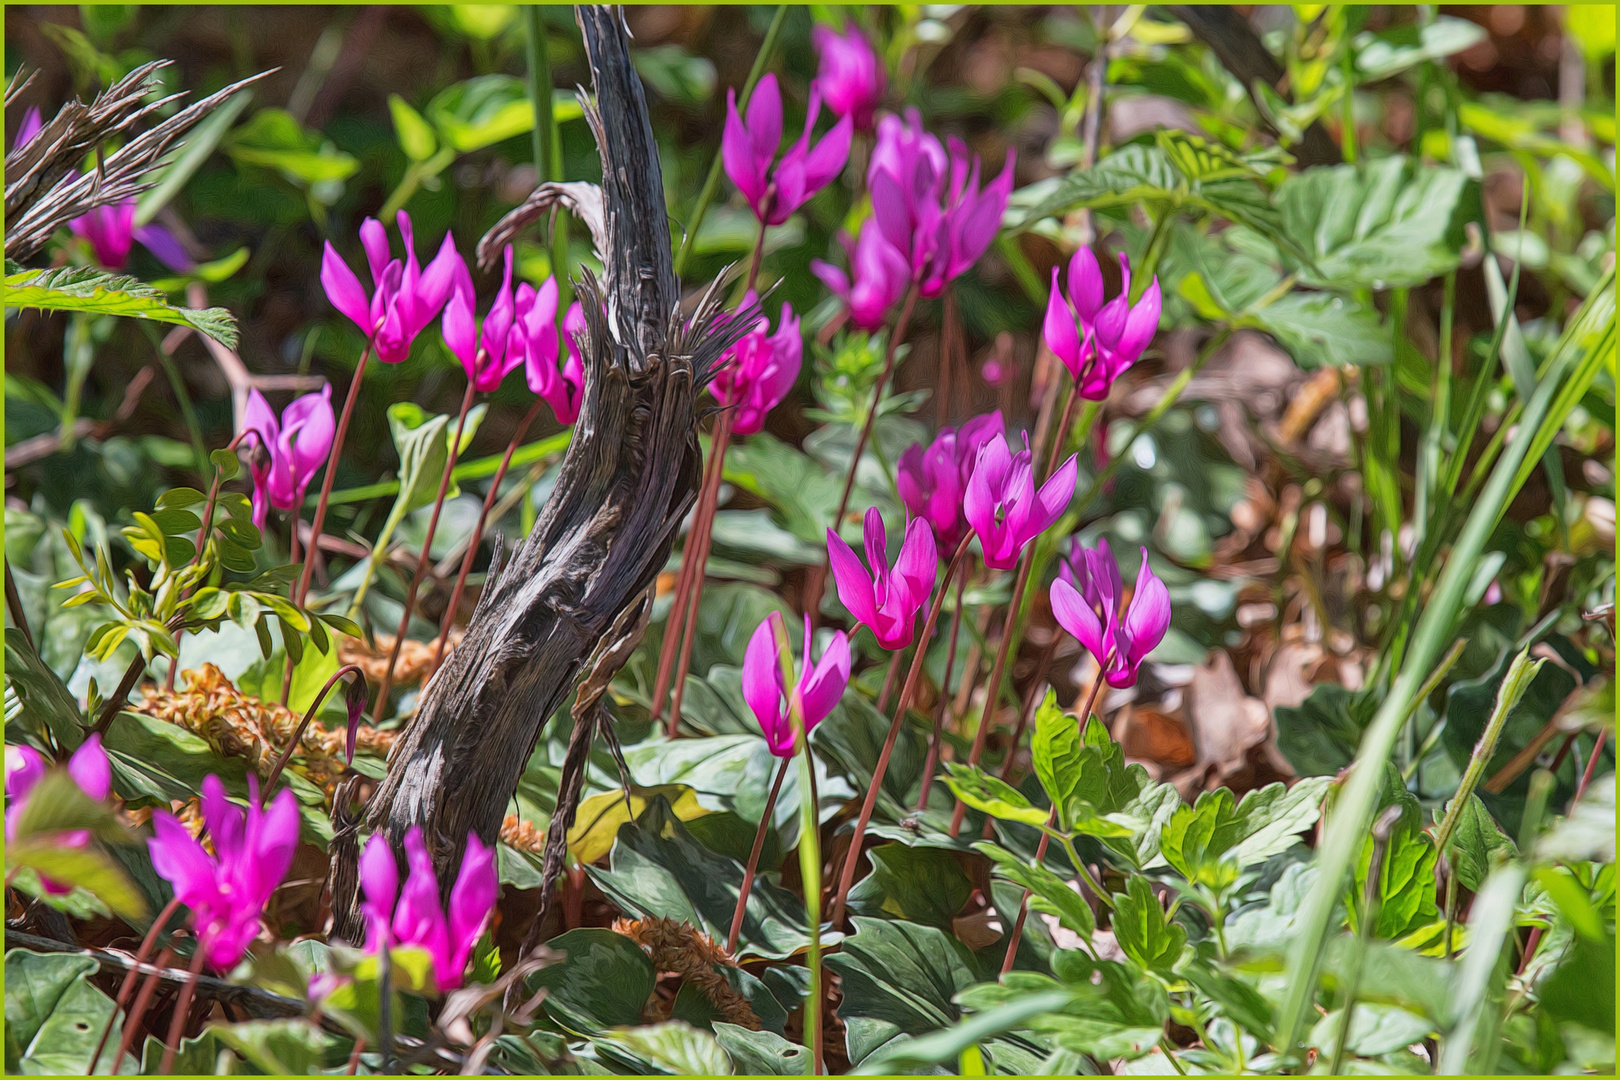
x,y
137,1012
127,987
755,375
753,857
932,761
902,324
478,535
809,831
424,558
1046,839
676,618
1008,513
355,699
700,554
182,1008
907,692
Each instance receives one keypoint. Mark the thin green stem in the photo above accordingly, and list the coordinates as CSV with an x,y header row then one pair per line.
x,y
712,181
1517,680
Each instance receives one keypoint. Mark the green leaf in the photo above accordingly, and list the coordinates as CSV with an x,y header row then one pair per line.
x,y
1476,840
82,868
603,979
415,134
1406,886
898,979
1058,752
276,1047
1382,54
946,1046
54,1016
274,139
94,291
980,791
1049,893
47,704
1581,989
802,492
1142,930
1380,226
1209,842
919,884
423,443
761,1053
1319,328
1320,735
1239,1001
658,868
56,805
481,111
1375,1030
196,1057
672,1048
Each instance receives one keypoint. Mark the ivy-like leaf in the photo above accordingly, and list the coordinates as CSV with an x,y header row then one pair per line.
x,y
1143,931
982,792
1050,893
98,292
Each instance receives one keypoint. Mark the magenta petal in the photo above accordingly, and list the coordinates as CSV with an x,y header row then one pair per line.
x,y
460,330
736,154
985,487
1085,284
433,287
1054,496
836,280
310,417
259,421
344,291
827,160
917,564
765,123
277,842
166,246
472,898
1058,331
853,582
181,861
1148,616
25,767
375,241
891,212
1141,324
1075,615
90,768
379,881
822,689
762,689
418,919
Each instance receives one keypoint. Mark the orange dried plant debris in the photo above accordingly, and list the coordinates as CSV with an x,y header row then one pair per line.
x,y
415,657
235,724
523,835
688,952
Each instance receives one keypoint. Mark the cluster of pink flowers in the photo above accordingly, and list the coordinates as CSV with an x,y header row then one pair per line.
x,y
406,298
447,934
26,767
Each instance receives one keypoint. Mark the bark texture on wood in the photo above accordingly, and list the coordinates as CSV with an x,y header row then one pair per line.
x,y
628,477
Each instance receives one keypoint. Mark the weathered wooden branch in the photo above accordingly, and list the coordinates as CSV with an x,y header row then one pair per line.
x,y
626,481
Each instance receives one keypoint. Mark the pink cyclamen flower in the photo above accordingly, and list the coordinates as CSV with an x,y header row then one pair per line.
x,y
1088,600
227,891
489,352
819,689
417,920
756,373
928,202
295,447
1097,341
111,232
535,331
26,767
1003,506
933,479
850,77
404,298
886,602
748,151
880,277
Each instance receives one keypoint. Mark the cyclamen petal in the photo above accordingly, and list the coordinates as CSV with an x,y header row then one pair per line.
x,y
851,76
1003,506
1099,341
1087,600
818,690
90,768
748,150
472,898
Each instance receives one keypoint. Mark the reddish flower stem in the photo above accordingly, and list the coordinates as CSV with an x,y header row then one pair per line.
x,y
1028,709
944,694
753,857
478,535
182,1006
818,579
992,688
1040,849
847,876
705,540
1591,766
424,558
132,1020
286,755
127,987
318,522
888,680
683,585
